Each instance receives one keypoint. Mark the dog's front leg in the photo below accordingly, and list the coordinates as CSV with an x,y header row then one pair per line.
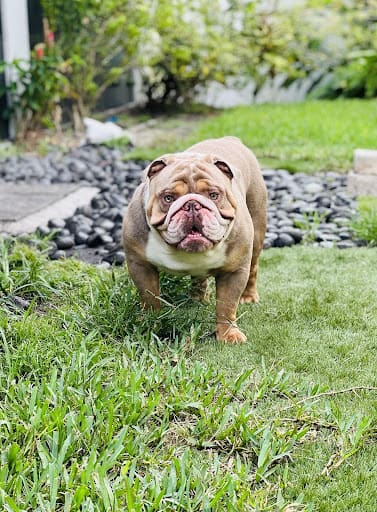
x,y
147,281
229,288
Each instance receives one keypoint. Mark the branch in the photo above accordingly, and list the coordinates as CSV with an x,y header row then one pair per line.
x,y
331,393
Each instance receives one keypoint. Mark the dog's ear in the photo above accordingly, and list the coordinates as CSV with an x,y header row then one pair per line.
x,y
224,168
155,167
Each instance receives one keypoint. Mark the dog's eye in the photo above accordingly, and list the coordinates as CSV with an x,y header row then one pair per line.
x,y
168,198
213,195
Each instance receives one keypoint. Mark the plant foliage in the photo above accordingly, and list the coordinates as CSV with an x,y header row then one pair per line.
x,y
35,90
98,40
189,44
180,47
102,411
364,224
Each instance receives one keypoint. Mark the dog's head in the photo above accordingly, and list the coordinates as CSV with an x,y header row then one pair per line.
x,y
189,200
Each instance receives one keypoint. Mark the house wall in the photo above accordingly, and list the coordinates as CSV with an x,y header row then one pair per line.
x,y
14,35
14,18
3,101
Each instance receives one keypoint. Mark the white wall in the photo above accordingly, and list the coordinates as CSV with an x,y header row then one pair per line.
x,y
15,29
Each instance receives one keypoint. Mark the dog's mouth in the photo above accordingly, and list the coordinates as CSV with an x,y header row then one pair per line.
x,y
195,241
195,231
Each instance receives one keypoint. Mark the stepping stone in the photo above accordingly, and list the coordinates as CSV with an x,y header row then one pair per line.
x,y
24,207
363,181
365,161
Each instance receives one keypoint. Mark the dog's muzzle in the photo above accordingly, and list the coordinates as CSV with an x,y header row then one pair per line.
x,y
194,224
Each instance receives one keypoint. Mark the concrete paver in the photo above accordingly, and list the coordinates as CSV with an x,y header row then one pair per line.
x,y
25,207
361,184
363,181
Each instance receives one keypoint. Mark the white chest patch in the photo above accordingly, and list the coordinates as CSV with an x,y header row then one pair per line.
x,y
171,260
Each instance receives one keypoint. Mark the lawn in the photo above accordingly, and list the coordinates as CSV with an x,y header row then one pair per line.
x,y
301,137
106,408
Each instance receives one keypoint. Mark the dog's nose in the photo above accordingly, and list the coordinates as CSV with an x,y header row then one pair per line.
x,y
191,205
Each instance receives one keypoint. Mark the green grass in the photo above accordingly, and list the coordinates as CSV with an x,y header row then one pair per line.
x,y
104,407
7,149
301,137
364,224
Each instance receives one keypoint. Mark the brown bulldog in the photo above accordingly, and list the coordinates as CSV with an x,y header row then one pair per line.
x,y
201,212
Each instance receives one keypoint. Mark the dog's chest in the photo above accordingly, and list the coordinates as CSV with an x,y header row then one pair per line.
x,y
179,262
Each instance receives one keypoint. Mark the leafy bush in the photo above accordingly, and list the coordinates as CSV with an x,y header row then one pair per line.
x,y
353,72
269,43
355,79
182,46
332,44
36,89
191,44
98,40
188,44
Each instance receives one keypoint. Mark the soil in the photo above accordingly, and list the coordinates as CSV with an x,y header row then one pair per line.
x,y
160,130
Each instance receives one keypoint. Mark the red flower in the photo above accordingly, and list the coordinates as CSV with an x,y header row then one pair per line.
x,y
40,51
50,39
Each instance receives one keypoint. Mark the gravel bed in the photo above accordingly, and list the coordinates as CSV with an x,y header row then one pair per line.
x,y
302,208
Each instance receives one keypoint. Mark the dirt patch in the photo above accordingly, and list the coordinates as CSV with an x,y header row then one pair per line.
x,y
87,254
42,142
163,130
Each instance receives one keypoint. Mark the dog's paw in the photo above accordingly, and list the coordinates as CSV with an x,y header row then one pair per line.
x,y
203,298
230,334
249,298
200,290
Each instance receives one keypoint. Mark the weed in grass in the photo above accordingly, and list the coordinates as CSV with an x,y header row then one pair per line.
x,y
111,305
23,276
351,433
364,225
309,224
91,434
118,143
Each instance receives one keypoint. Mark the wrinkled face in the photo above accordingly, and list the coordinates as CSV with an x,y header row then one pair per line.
x,y
189,201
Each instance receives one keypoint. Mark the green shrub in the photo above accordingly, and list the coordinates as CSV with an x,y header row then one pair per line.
x,y
36,90
353,72
355,79
98,40
188,45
